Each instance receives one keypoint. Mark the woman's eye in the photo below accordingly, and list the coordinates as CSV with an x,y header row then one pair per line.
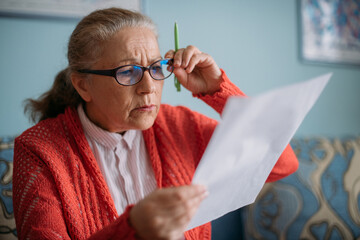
x,y
156,69
125,72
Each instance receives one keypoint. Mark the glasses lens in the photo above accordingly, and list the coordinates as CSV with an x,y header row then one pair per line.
x,y
161,69
129,75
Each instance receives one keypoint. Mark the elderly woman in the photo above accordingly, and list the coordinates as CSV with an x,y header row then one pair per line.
x,y
107,160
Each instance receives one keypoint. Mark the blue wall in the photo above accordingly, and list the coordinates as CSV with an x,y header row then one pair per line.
x,y
255,41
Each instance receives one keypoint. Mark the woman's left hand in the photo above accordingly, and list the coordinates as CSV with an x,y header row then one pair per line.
x,y
195,70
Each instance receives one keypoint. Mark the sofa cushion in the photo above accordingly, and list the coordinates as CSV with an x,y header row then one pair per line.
x,y
7,221
320,201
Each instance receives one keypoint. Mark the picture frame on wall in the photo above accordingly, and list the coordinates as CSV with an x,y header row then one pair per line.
x,y
330,31
73,9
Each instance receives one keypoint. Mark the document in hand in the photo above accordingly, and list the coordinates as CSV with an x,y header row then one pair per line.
x,y
246,144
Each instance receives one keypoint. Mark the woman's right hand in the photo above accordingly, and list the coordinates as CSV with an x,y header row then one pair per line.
x,y
165,213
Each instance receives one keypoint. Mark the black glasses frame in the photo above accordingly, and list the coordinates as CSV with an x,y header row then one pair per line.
x,y
112,72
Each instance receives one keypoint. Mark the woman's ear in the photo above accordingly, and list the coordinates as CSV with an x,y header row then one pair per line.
x,y
81,84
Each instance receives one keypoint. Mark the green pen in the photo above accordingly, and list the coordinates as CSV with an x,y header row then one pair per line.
x,y
176,34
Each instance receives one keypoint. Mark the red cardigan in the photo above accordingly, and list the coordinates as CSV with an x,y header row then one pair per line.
x,y
59,191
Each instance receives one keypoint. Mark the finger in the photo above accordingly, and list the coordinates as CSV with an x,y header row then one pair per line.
x,y
196,190
198,59
174,196
181,75
171,210
178,57
168,197
169,54
185,211
188,208
195,196
187,55
188,195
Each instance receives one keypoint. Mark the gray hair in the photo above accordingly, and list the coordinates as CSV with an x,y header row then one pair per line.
x,y
84,49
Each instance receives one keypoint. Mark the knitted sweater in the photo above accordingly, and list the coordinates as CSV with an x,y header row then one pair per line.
x,y
60,193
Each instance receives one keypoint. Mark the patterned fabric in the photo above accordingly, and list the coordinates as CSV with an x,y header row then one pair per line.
x,y
7,221
320,201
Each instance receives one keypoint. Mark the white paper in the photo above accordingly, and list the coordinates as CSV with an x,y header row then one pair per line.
x,y
246,144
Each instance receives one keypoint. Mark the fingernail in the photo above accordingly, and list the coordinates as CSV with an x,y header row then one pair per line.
x,y
205,194
202,188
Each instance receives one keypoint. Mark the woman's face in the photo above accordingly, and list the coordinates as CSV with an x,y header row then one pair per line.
x,y
118,108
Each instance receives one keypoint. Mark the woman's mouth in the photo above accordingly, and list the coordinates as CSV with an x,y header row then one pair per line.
x,y
146,108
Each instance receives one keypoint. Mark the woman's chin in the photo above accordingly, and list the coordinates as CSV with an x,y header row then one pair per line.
x,y
144,123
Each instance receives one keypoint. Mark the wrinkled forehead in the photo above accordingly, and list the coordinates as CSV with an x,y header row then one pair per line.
x,y
131,46
138,40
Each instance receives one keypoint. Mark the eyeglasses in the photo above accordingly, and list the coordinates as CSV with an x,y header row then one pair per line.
x,y
128,75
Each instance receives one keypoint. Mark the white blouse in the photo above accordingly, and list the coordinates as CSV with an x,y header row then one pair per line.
x,y
123,161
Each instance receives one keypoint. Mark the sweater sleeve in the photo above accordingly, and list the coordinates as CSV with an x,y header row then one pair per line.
x,y
217,100
39,207
287,163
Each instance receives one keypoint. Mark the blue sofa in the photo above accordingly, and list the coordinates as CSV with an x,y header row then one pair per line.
x,y
320,201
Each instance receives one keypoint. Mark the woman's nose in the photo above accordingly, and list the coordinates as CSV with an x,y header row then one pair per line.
x,y
146,85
